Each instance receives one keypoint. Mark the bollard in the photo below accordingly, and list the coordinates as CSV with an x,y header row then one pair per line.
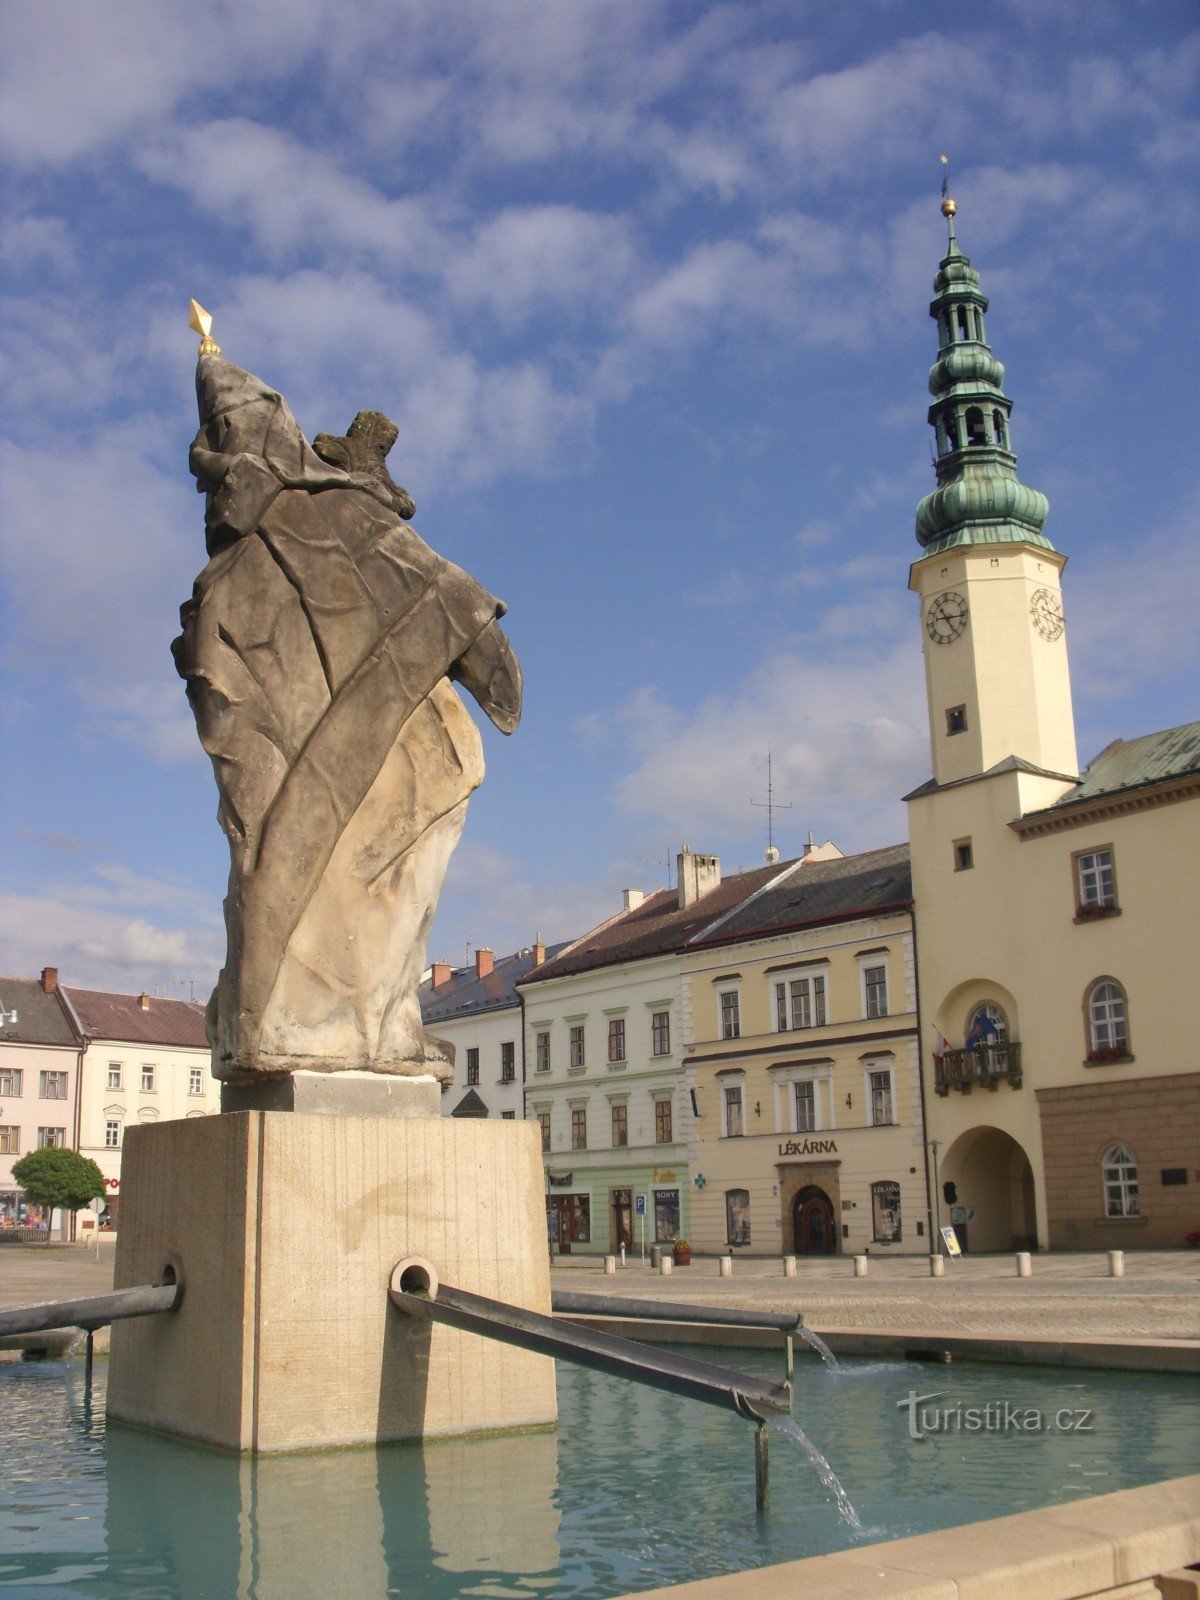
x,y
725,1266
860,1266
937,1267
1024,1264
1116,1263
610,1266
656,1256
665,1267
789,1266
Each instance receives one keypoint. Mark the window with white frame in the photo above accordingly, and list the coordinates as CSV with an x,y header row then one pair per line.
x,y
116,1075
733,1122
577,1052
541,1051
800,1002
660,1033
51,1138
147,1078
112,1135
731,1014
1095,881
879,1096
11,1080
616,1038
875,994
1120,1177
804,1104
10,1139
1108,1033
53,1086
195,1080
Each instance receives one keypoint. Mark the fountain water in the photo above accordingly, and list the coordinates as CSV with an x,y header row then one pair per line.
x,y
818,1344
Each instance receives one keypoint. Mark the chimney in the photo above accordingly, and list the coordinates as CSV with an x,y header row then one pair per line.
x,y
632,898
49,979
440,974
810,844
144,1000
485,961
538,950
695,875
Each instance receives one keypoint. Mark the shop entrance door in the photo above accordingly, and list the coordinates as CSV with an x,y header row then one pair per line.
x,y
813,1224
622,1219
569,1219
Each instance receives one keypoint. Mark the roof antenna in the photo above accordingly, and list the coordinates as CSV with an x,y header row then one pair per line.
x,y
770,806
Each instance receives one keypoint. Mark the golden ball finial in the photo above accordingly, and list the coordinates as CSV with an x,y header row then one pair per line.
x,y
949,207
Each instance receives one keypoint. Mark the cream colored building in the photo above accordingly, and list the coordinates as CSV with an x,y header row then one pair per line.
x,y
803,1069
144,1060
1058,914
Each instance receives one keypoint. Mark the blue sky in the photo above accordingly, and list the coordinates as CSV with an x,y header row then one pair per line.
x,y
645,287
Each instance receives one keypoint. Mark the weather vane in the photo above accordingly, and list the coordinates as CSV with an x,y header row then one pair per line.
x,y
201,322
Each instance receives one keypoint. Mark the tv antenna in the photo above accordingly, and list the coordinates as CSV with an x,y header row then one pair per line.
x,y
770,805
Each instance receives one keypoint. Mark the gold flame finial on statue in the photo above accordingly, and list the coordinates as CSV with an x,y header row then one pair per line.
x,y
949,206
201,321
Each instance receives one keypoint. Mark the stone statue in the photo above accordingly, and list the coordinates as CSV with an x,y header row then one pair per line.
x,y
319,650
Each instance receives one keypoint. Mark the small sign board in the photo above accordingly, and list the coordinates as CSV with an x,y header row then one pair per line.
x,y
639,1205
97,1205
950,1240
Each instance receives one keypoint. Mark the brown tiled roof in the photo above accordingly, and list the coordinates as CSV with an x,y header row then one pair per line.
x,y
120,1016
40,1017
654,928
813,892
466,994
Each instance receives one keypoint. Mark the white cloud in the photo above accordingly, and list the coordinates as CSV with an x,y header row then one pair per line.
x,y
493,899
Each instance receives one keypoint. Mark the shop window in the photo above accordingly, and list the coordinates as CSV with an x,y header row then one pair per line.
x,y
508,1062
731,1015
472,1065
541,1052
737,1216
616,1038
734,1123
577,1056
1108,1036
620,1127
1120,1177
875,995
885,1211
1095,883
666,1215
663,1130
579,1128
660,1033
806,1106
800,1003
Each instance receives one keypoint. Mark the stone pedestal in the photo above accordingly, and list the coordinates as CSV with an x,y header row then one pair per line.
x,y
285,1228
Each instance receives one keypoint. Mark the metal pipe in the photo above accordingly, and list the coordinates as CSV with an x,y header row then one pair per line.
x,y
762,1470
93,1311
616,1305
750,1397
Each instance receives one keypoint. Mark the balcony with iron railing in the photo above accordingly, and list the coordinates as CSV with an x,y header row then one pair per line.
x,y
983,1066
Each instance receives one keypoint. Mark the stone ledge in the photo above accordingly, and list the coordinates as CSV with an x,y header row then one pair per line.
x,y
337,1094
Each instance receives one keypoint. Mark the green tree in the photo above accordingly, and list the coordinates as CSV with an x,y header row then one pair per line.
x,y
59,1178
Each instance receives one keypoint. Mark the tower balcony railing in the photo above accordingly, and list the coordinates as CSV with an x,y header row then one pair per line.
x,y
983,1065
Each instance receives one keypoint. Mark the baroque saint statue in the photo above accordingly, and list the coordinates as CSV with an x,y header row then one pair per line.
x,y
320,648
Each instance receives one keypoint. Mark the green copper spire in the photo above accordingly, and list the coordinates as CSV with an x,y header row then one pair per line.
x,y
979,498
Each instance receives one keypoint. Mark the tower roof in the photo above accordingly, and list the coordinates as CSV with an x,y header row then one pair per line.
x,y
979,498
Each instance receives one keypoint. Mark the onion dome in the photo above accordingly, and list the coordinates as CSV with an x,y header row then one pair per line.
x,y
979,498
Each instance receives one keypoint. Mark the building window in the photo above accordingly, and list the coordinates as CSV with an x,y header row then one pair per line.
x,y
964,855
1119,1167
116,1076
541,1052
875,992
508,1062
663,1128
956,719
616,1038
579,1128
195,1080
51,1138
472,1065
577,1055
885,1212
1095,883
879,1087
1108,1037
666,1215
806,1107
10,1141
11,1079
53,1086
112,1135
987,1026
544,1124
731,1015
734,1126
508,1116
620,1127
800,1003
147,1079
660,1033
737,1216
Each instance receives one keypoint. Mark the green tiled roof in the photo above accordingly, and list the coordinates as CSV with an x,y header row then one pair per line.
x,y
1134,763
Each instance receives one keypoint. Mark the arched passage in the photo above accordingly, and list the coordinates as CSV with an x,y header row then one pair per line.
x,y
814,1226
993,1183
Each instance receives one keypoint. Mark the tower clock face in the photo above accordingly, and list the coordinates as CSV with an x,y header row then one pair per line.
x,y
1045,608
946,617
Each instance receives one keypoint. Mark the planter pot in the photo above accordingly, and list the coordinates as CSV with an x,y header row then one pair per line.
x,y
683,1255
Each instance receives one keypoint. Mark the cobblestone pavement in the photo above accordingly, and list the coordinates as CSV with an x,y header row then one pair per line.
x,y
1068,1295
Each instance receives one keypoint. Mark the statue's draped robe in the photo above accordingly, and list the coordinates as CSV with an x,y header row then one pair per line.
x,y
317,649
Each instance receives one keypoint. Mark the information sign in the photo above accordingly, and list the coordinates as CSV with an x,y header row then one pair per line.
x,y
950,1239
